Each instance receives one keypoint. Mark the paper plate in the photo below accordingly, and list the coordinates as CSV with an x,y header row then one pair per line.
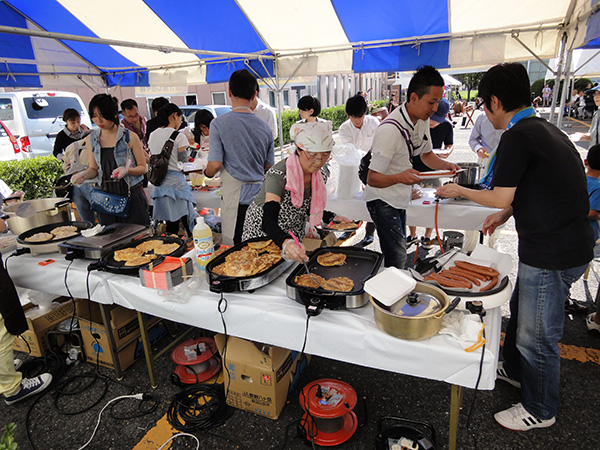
x,y
435,174
390,285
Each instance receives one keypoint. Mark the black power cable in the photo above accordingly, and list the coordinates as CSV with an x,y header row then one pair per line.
x,y
476,307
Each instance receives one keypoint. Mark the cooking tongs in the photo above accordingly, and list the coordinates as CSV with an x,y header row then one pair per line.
x,y
306,265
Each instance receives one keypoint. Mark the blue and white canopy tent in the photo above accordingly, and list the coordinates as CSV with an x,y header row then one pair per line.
x,y
56,43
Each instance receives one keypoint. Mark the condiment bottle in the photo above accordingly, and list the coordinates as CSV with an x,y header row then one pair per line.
x,y
203,243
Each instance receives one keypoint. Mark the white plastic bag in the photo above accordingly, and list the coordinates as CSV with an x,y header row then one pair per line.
x,y
347,157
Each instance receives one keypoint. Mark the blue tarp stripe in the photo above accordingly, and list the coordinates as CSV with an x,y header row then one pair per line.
x,y
593,29
401,58
220,73
208,24
364,22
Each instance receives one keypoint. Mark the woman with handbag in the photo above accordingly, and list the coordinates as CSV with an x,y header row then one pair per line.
x,y
173,199
118,162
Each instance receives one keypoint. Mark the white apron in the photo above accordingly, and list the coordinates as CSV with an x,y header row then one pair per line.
x,y
230,199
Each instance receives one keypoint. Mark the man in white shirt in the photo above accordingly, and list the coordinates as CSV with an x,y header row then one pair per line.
x,y
265,112
402,135
359,130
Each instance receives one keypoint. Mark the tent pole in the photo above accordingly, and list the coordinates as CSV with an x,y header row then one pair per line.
x,y
279,108
559,72
565,90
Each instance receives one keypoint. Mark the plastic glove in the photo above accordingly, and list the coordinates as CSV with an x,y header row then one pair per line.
x,y
119,173
78,178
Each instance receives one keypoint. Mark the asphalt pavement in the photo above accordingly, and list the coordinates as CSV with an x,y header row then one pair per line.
x,y
53,421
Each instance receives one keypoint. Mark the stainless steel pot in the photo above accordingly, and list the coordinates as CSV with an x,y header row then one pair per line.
x,y
470,175
416,316
47,211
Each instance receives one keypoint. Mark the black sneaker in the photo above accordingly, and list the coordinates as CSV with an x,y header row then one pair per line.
x,y
426,243
29,387
410,240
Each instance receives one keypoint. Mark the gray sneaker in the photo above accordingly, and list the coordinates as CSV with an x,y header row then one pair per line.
x,y
29,387
501,374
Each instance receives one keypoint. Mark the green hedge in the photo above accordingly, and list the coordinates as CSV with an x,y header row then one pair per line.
x,y
35,176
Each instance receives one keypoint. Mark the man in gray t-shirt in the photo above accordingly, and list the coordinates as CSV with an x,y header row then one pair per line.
x,y
241,147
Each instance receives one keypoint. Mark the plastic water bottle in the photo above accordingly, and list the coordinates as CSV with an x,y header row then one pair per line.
x,y
203,243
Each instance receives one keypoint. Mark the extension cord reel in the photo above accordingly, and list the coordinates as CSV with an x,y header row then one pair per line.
x,y
197,361
328,416
406,434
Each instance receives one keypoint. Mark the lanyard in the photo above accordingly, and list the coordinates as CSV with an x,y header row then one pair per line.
x,y
523,114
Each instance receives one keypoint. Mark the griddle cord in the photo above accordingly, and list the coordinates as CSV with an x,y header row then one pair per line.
x,y
481,312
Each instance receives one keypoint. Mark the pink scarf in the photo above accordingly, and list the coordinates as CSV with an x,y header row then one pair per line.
x,y
295,184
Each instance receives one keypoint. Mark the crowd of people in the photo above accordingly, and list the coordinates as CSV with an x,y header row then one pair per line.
x,y
526,160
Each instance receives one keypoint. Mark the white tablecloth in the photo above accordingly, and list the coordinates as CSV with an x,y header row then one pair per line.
x,y
456,214
268,316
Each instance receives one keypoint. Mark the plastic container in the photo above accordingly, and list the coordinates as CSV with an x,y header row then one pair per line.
x,y
390,285
203,243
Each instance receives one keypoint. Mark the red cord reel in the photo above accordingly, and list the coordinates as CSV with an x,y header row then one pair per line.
x,y
328,419
197,360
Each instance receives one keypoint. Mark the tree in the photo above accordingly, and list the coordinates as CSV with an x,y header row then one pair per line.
x,y
470,81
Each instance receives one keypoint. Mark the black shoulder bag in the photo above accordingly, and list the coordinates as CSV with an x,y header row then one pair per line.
x,y
363,168
158,164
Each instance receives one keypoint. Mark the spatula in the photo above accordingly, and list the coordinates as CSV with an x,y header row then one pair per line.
x,y
306,265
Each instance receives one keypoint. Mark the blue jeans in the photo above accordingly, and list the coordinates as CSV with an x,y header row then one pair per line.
x,y
531,353
390,224
81,198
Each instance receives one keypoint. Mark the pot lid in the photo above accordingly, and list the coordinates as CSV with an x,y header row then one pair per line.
x,y
417,304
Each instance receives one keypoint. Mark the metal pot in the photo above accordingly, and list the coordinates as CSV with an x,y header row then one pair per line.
x,y
470,175
416,316
47,211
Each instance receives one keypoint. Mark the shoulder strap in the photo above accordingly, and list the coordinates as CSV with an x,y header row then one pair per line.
x,y
402,131
169,144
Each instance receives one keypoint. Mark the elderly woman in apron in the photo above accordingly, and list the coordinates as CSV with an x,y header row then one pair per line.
x,y
293,195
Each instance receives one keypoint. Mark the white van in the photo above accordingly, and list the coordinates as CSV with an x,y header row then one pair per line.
x,y
35,117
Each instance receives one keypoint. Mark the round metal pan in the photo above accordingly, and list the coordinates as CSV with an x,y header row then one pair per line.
x,y
50,246
108,263
222,283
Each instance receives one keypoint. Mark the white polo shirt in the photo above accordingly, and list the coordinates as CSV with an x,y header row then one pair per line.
x,y
391,155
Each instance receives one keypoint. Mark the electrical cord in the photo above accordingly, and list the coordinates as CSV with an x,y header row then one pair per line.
x,y
222,308
481,314
136,396
437,231
179,435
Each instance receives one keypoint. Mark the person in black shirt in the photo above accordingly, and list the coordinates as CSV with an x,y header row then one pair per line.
x,y
533,160
152,124
73,131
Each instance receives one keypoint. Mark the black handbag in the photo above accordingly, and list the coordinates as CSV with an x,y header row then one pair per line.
x,y
158,164
112,204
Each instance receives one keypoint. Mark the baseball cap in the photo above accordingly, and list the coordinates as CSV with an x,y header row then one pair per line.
x,y
592,90
442,111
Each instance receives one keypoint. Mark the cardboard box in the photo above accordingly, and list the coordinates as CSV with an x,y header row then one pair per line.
x,y
124,327
260,376
328,240
38,328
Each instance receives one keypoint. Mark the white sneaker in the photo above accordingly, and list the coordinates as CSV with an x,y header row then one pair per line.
x,y
501,374
591,323
518,419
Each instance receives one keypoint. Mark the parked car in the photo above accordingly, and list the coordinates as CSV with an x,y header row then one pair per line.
x,y
9,146
189,111
35,117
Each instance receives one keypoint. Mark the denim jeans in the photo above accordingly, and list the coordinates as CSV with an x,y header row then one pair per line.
x,y
390,224
81,198
531,353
